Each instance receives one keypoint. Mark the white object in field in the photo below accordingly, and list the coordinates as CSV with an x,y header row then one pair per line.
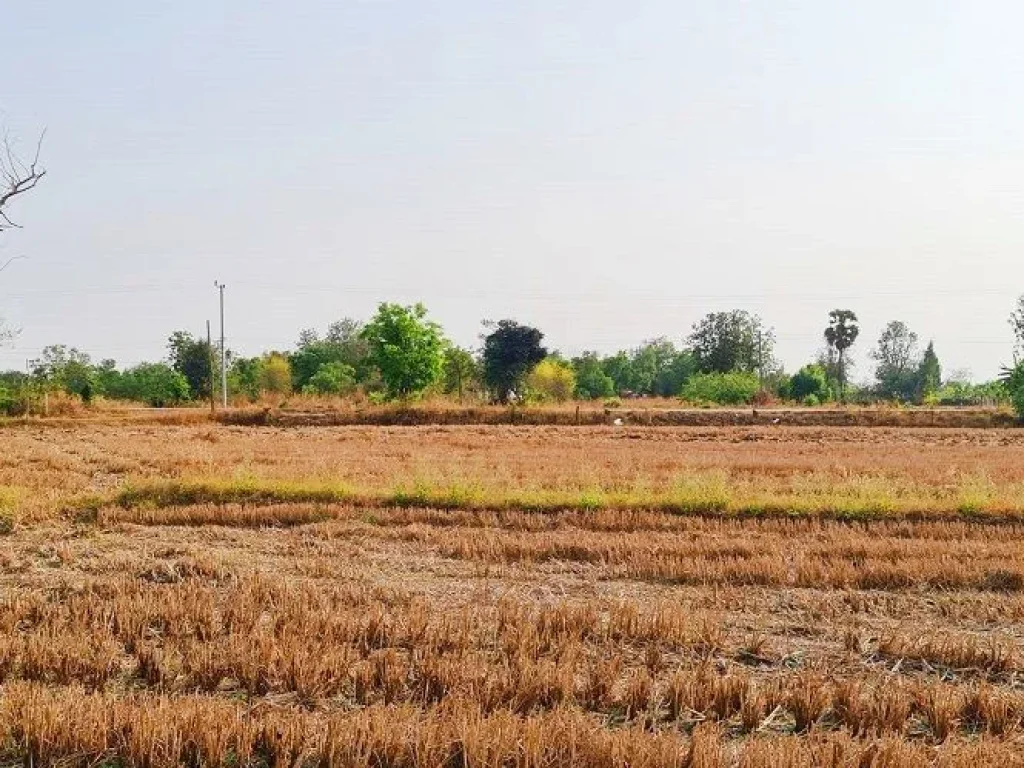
x,y
775,421
617,422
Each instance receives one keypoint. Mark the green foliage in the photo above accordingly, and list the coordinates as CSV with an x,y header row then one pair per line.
x,y
275,374
809,381
551,380
406,347
66,369
193,359
592,383
511,351
733,388
244,376
156,384
1015,387
897,362
10,403
461,372
334,378
732,341
656,367
343,343
840,335
964,393
929,374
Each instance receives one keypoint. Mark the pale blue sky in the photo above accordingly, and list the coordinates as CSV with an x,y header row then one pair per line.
x,y
607,171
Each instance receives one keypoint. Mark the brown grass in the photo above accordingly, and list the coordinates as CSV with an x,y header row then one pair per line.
x,y
173,621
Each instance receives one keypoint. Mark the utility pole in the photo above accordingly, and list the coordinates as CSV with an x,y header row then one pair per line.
x,y
209,346
223,349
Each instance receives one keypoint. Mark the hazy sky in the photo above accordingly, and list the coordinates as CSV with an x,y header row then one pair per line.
x,y
607,171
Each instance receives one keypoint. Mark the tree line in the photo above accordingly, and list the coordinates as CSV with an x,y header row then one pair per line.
x,y
401,353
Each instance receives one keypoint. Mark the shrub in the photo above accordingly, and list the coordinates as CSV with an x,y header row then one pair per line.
x,y
811,380
592,383
734,388
331,379
276,374
811,400
551,380
155,384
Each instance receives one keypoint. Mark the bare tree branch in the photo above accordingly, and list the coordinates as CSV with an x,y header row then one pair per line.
x,y
17,177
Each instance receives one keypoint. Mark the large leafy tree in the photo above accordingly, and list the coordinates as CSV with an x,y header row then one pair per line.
x,y
193,359
897,361
591,380
511,351
840,335
723,342
406,347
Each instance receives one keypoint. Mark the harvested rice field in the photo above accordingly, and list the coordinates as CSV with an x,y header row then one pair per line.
x,y
211,595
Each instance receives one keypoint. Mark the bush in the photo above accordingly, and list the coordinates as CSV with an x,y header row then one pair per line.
x,y
275,374
156,384
811,400
736,388
592,383
8,402
551,380
331,379
811,380
965,393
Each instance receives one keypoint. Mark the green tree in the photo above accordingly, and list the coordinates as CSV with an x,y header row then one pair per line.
x,y
929,374
67,369
897,361
343,343
407,348
461,372
193,359
840,335
108,378
619,369
156,384
551,380
511,351
334,378
244,376
592,383
672,377
811,381
733,341
1013,379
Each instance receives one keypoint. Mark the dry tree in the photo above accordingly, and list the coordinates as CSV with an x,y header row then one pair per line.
x,y
17,176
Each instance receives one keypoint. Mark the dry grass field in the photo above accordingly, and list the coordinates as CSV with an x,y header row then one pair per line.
x,y
493,596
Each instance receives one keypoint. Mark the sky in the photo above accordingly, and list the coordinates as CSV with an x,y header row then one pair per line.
x,y
606,171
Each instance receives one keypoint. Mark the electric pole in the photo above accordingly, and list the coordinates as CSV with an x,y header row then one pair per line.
x,y
223,349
